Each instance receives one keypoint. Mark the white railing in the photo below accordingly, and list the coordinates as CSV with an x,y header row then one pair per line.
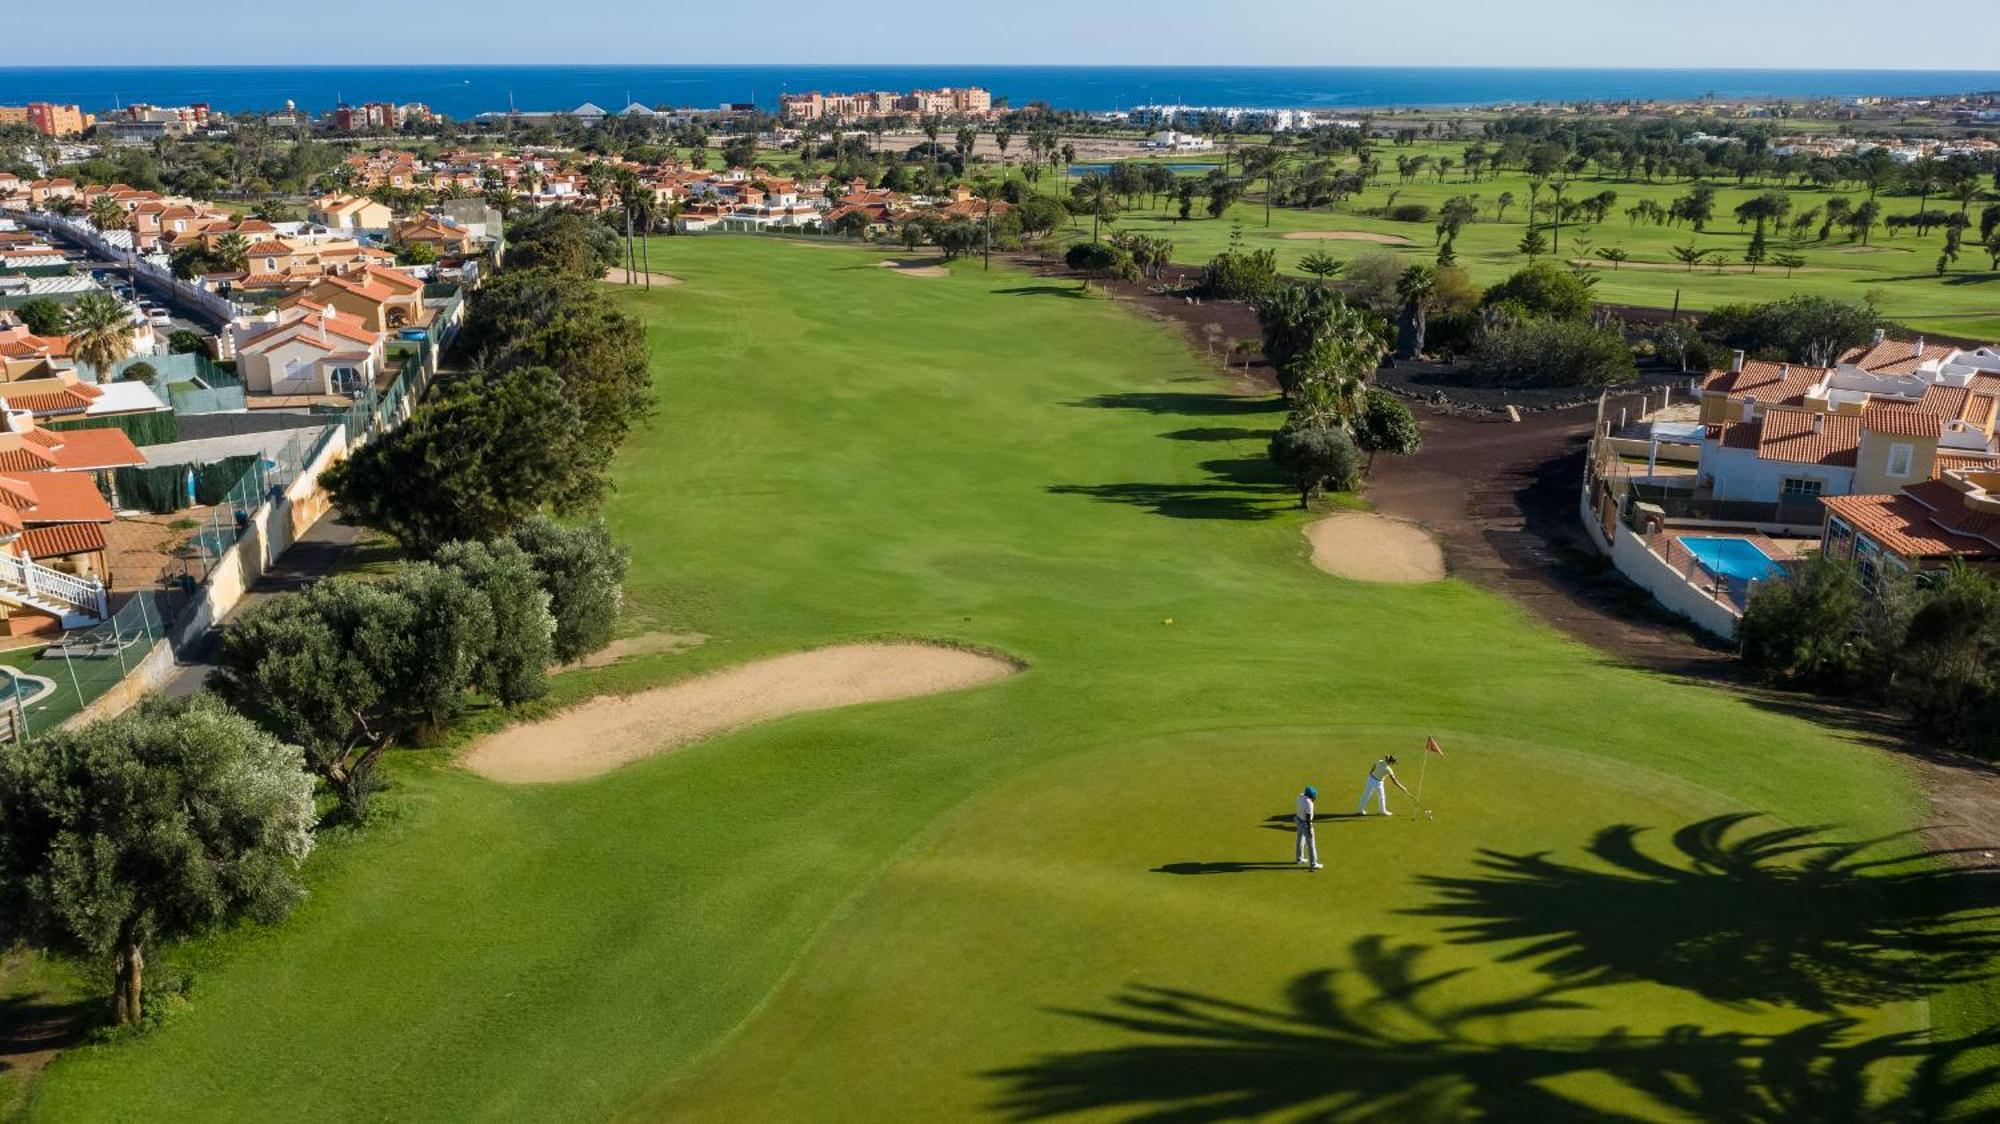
x,y
37,580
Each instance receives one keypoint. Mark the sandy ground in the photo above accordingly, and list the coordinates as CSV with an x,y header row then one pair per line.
x,y
1375,548
1348,236
647,644
597,736
916,267
619,275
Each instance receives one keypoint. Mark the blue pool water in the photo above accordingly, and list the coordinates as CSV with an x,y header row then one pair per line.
x,y
1732,558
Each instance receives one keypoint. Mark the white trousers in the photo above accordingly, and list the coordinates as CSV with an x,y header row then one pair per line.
x,y
1307,850
1374,788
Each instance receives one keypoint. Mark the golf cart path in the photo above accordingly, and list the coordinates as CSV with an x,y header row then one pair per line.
x,y
599,735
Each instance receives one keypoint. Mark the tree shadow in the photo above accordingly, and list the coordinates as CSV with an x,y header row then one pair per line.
x,y
32,1029
1383,1041
1182,501
1218,433
1779,916
1192,404
1070,291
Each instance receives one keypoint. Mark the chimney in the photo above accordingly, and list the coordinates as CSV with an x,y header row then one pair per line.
x,y
1736,362
1880,335
1819,420
1918,350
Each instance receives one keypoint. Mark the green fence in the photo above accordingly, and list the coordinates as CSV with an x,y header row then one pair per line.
x,y
159,428
70,675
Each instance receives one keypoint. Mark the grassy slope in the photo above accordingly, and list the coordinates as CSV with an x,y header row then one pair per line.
x,y
845,452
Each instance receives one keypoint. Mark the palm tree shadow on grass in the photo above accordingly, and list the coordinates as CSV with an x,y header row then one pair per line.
x,y
1242,488
1189,403
1778,916
1391,1046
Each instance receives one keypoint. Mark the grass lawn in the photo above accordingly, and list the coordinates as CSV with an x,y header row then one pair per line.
x,y
1057,893
1899,270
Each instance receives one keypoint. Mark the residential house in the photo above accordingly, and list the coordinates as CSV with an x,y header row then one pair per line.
x,y
351,214
303,350
1926,525
381,299
448,239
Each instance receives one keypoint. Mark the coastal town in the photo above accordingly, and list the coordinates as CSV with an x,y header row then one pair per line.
x,y
439,528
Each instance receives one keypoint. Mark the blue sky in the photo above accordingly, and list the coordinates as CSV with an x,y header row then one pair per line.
x,y
1832,34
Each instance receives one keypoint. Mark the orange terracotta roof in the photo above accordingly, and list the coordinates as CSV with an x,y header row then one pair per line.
x,y
1904,526
1950,512
84,449
1773,384
58,540
28,458
63,497
1895,357
1797,436
1901,421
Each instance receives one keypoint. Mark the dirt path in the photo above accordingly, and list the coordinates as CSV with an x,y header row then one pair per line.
x,y
1375,548
603,733
1502,497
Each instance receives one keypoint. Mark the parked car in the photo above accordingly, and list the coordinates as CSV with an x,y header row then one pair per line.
x,y
160,317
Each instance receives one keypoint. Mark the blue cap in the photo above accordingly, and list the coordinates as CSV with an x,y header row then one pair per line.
x,y
1311,791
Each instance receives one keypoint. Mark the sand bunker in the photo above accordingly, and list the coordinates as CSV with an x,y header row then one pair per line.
x,y
619,275
1375,548
1679,267
916,267
599,735
1348,236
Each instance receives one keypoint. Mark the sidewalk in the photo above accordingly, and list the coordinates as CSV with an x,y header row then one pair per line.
x,y
312,557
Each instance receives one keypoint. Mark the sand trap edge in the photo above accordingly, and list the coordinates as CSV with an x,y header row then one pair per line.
x,y
601,734
1365,547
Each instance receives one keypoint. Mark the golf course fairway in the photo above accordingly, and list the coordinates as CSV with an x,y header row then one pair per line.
x,y
1065,891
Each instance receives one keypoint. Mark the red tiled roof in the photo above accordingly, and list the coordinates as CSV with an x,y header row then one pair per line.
x,y
1795,435
1901,421
84,449
1950,511
1772,384
28,458
1895,357
55,540
1904,526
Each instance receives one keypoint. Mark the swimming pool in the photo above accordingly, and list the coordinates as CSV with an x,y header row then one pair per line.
x,y
1731,558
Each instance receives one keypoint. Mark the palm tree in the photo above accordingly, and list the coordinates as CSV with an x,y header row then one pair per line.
x,y
1557,186
106,213
1418,286
1096,190
1501,204
932,126
232,252
100,331
1003,135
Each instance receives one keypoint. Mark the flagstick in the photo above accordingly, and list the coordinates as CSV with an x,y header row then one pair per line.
x,y
1421,770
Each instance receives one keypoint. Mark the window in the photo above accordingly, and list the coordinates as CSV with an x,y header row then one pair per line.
x,y
1800,488
1901,457
1839,538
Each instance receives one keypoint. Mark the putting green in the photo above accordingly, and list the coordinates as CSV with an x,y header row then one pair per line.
x,y
887,910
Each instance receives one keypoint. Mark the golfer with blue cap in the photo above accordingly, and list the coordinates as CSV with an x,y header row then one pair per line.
x,y
1307,851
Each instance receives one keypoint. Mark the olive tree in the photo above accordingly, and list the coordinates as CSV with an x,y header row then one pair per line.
x,y
161,824
583,572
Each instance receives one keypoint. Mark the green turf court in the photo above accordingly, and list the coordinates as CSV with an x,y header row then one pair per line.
x,y
1050,895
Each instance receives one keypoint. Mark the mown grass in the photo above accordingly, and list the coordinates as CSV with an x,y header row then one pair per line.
x,y
897,911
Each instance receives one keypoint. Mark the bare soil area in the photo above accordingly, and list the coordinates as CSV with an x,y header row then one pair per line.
x,y
646,644
1375,548
598,736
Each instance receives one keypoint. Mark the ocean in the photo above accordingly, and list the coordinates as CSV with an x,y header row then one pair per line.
x,y
462,91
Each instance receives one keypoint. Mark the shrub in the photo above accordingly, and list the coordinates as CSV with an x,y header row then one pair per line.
x,y
1243,275
1316,457
1554,353
1799,329
1371,279
1543,291
1409,212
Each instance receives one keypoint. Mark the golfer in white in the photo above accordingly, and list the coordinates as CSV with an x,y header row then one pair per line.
x,y
1380,771
1306,854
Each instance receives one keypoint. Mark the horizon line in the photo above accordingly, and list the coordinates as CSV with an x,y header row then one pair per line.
x,y
1009,66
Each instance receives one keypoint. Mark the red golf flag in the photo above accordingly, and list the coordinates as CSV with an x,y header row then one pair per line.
x,y
1431,745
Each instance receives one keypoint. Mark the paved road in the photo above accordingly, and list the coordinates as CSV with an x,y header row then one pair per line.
x,y
313,557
